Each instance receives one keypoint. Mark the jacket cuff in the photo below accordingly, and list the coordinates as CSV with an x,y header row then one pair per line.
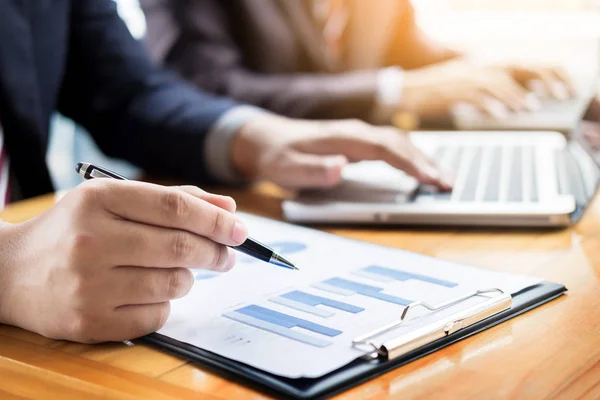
x,y
217,149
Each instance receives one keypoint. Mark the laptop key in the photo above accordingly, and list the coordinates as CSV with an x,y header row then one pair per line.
x,y
533,194
470,188
492,190
515,177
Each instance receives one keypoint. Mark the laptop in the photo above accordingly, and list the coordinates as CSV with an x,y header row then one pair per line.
x,y
520,179
553,114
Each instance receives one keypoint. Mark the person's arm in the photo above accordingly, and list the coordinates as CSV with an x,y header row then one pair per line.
x,y
412,48
206,53
133,109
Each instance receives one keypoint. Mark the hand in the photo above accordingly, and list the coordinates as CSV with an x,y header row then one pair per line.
x,y
103,263
432,92
306,154
549,82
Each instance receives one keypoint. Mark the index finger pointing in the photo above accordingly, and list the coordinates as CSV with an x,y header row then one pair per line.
x,y
171,208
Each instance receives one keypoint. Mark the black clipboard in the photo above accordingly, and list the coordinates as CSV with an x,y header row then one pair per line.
x,y
358,371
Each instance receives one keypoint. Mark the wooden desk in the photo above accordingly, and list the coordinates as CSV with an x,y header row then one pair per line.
x,y
552,352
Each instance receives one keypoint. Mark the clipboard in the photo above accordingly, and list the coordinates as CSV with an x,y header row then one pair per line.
x,y
383,356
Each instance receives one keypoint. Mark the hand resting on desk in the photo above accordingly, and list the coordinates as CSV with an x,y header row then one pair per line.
x,y
104,262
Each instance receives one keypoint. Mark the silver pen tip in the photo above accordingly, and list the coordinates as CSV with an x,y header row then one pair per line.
x,y
282,261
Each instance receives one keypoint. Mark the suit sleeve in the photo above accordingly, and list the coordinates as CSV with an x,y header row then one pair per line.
x,y
196,39
133,109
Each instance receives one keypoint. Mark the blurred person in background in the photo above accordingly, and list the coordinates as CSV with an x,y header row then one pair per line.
x,y
334,59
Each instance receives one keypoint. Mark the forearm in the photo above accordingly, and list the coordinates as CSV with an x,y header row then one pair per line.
x,y
164,131
303,95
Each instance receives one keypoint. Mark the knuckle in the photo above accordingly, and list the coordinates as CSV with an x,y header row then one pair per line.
x,y
82,328
357,125
78,290
181,246
175,204
220,224
220,256
157,320
81,244
90,191
179,283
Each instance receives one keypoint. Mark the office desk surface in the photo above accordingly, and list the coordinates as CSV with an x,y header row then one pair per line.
x,y
552,352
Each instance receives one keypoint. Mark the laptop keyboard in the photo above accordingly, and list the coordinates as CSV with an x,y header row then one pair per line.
x,y
488,174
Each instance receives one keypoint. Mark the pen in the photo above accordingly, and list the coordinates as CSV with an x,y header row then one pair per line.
x,y
250,247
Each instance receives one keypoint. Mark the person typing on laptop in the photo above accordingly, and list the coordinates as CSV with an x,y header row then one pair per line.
x,y
324,59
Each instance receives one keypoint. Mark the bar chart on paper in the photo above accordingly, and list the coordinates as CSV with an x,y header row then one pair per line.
x,y
310,303
347,287
282,324
326,307
383,274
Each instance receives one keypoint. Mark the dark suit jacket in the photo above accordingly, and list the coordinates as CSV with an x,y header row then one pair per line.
x,y
78,57
266,52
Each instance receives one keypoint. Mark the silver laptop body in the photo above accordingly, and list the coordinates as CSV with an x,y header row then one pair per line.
x,y
554,115
502,178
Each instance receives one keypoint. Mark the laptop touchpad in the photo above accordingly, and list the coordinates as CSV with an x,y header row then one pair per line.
x,y
367,182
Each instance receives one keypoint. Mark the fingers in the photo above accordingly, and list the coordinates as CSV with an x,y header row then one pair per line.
x,y
119,324
424,169
135,285
224,202
131,322
141,245
302,170
508,92
359,141
169,208
547,81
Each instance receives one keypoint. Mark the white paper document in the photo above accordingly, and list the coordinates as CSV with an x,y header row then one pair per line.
x,y
301,323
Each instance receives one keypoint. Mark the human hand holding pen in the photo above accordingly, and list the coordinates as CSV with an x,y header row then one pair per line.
x,y
105,261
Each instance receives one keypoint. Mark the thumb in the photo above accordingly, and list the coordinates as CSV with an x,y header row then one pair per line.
x,y
302,170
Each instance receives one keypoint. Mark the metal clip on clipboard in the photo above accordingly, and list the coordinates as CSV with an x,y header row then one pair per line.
x,y
401,345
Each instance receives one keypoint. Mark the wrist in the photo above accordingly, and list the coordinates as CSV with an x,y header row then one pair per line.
x,y
251,140
9,245
415,92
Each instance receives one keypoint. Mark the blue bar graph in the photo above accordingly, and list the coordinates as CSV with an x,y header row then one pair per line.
x,y
319,312
312,300
307,302
286,321
398,275
277,329
365,290
332,289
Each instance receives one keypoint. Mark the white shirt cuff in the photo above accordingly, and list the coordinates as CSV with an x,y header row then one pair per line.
x,y
217,149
